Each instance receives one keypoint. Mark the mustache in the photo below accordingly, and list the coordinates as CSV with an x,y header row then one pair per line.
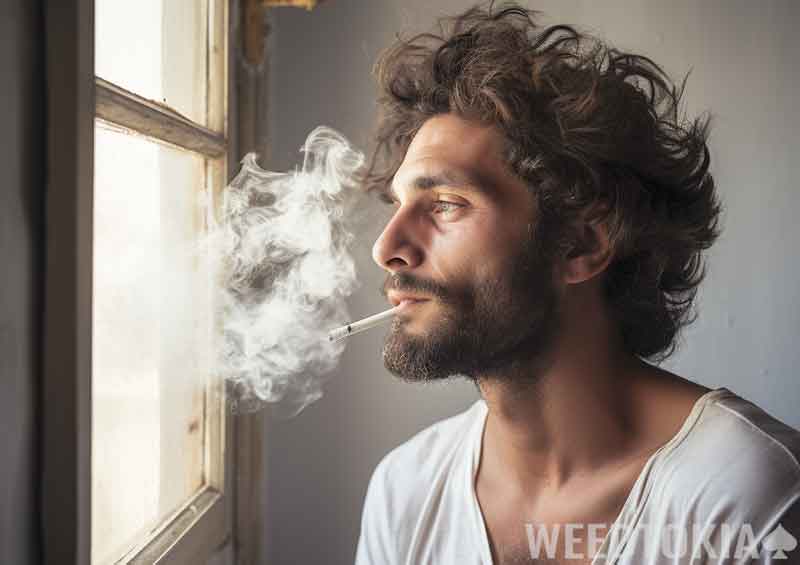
x,y
410,283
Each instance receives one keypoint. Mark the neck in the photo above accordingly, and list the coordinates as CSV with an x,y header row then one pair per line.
x,y
567,415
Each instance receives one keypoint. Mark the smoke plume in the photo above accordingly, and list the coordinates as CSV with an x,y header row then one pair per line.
x,y
284,272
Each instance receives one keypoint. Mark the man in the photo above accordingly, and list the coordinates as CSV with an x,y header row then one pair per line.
x,y
550,216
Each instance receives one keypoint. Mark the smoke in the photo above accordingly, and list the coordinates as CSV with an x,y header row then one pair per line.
x,y
284,271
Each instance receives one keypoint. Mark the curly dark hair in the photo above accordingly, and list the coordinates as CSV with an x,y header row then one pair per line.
x,y
593,131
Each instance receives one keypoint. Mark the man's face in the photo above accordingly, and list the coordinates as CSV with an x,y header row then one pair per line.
x,y
475,294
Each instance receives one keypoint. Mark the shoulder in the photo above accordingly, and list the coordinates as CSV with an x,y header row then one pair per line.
x,y
755,450
738,463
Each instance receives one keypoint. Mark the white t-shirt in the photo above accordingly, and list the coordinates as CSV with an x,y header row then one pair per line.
x,y
725,478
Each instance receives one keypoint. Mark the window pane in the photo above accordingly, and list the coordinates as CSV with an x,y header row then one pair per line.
x,y
155,48
151,338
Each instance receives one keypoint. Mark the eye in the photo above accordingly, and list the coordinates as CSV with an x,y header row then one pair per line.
x,y
446,208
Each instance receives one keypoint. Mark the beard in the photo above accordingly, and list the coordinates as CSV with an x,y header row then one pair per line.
x,y
486,328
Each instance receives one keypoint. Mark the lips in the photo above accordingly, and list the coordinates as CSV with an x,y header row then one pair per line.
x,y
404,299
405,304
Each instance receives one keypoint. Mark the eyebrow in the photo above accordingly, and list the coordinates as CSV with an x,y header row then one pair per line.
x,y
446,177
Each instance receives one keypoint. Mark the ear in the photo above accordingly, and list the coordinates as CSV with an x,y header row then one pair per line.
x,y
590,256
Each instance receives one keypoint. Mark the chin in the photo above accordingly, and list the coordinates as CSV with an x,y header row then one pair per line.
x,y
412,329
416,324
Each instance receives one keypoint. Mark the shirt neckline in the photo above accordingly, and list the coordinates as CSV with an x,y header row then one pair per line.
x,y
634,502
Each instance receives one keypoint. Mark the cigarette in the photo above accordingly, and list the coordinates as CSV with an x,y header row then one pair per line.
x,y
362,325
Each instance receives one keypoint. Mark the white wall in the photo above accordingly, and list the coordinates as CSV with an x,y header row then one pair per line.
x,y
744,58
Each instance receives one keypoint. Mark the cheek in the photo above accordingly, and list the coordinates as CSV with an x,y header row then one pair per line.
x,y
471,251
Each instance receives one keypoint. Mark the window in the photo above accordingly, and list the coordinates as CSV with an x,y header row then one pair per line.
x,y
135,466
157,414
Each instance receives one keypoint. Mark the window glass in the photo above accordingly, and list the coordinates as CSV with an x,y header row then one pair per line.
x,y
155,48
151,337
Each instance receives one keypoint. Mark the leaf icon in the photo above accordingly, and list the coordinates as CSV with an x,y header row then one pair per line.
x,y
780,540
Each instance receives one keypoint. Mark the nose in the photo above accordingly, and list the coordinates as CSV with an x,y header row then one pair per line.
x,y
397,248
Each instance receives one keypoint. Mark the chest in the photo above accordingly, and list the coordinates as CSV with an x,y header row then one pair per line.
x,y
570,530
542,543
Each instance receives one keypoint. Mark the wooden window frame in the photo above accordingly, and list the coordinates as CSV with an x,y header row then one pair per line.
x,y
228,510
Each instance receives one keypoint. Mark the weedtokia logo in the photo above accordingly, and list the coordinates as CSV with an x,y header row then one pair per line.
x,y
695,541
779,541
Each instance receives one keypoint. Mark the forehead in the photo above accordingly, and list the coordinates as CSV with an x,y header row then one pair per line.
x,y
451,144
457,137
